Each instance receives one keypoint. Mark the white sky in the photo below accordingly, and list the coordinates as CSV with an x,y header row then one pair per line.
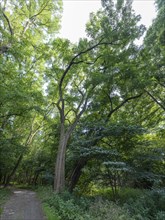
x,y
76,15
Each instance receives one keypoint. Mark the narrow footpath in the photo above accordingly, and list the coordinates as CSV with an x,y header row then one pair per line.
x,y
23,205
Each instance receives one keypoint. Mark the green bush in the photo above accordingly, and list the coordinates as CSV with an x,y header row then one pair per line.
x,y
64,205
50,213
149,206
160,216
70,207
140,208
132,204
158,196
108,210
129,193
4,195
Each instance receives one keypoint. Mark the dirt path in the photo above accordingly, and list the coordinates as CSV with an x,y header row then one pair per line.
x,y
23,205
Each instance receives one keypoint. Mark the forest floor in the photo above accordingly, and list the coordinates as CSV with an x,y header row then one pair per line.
x,y
23,205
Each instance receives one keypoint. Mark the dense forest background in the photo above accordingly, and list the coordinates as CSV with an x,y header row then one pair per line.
x,y
83,116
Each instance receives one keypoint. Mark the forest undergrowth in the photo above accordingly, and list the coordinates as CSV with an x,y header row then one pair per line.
x,y
131,204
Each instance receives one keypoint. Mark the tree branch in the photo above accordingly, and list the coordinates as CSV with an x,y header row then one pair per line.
x,y
161,84
155,100
10,28
72,62
31,19
121,104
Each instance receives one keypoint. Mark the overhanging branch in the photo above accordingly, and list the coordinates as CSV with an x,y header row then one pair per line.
x,y
122,103
155,100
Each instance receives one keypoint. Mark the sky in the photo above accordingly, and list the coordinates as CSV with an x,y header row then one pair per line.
x,y
76,14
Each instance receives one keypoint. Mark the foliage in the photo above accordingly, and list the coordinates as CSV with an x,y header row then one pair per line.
x,y
4,195
131,204
108,210
156,55
24,25
70,207
147,206
96,108
50,213
116,155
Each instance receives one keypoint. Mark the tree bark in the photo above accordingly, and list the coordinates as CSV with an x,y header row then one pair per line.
x,y
59,178
76,173
13,171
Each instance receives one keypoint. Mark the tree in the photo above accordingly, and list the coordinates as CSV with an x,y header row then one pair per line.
x,y
154,43
94,106
96,65
24,27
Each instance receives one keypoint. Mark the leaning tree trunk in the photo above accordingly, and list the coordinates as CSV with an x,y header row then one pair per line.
x,y
13,171
76,173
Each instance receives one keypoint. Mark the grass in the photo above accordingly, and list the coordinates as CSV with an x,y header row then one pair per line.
x,y
50,213
45,193
4,195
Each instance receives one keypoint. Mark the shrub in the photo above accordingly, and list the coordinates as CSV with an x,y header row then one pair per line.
x,y
132,205
64,205
50,213
129,193
4,195
160,216
70,207
149,206
107,210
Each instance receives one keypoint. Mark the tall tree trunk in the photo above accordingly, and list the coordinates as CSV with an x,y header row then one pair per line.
x,y
59,179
